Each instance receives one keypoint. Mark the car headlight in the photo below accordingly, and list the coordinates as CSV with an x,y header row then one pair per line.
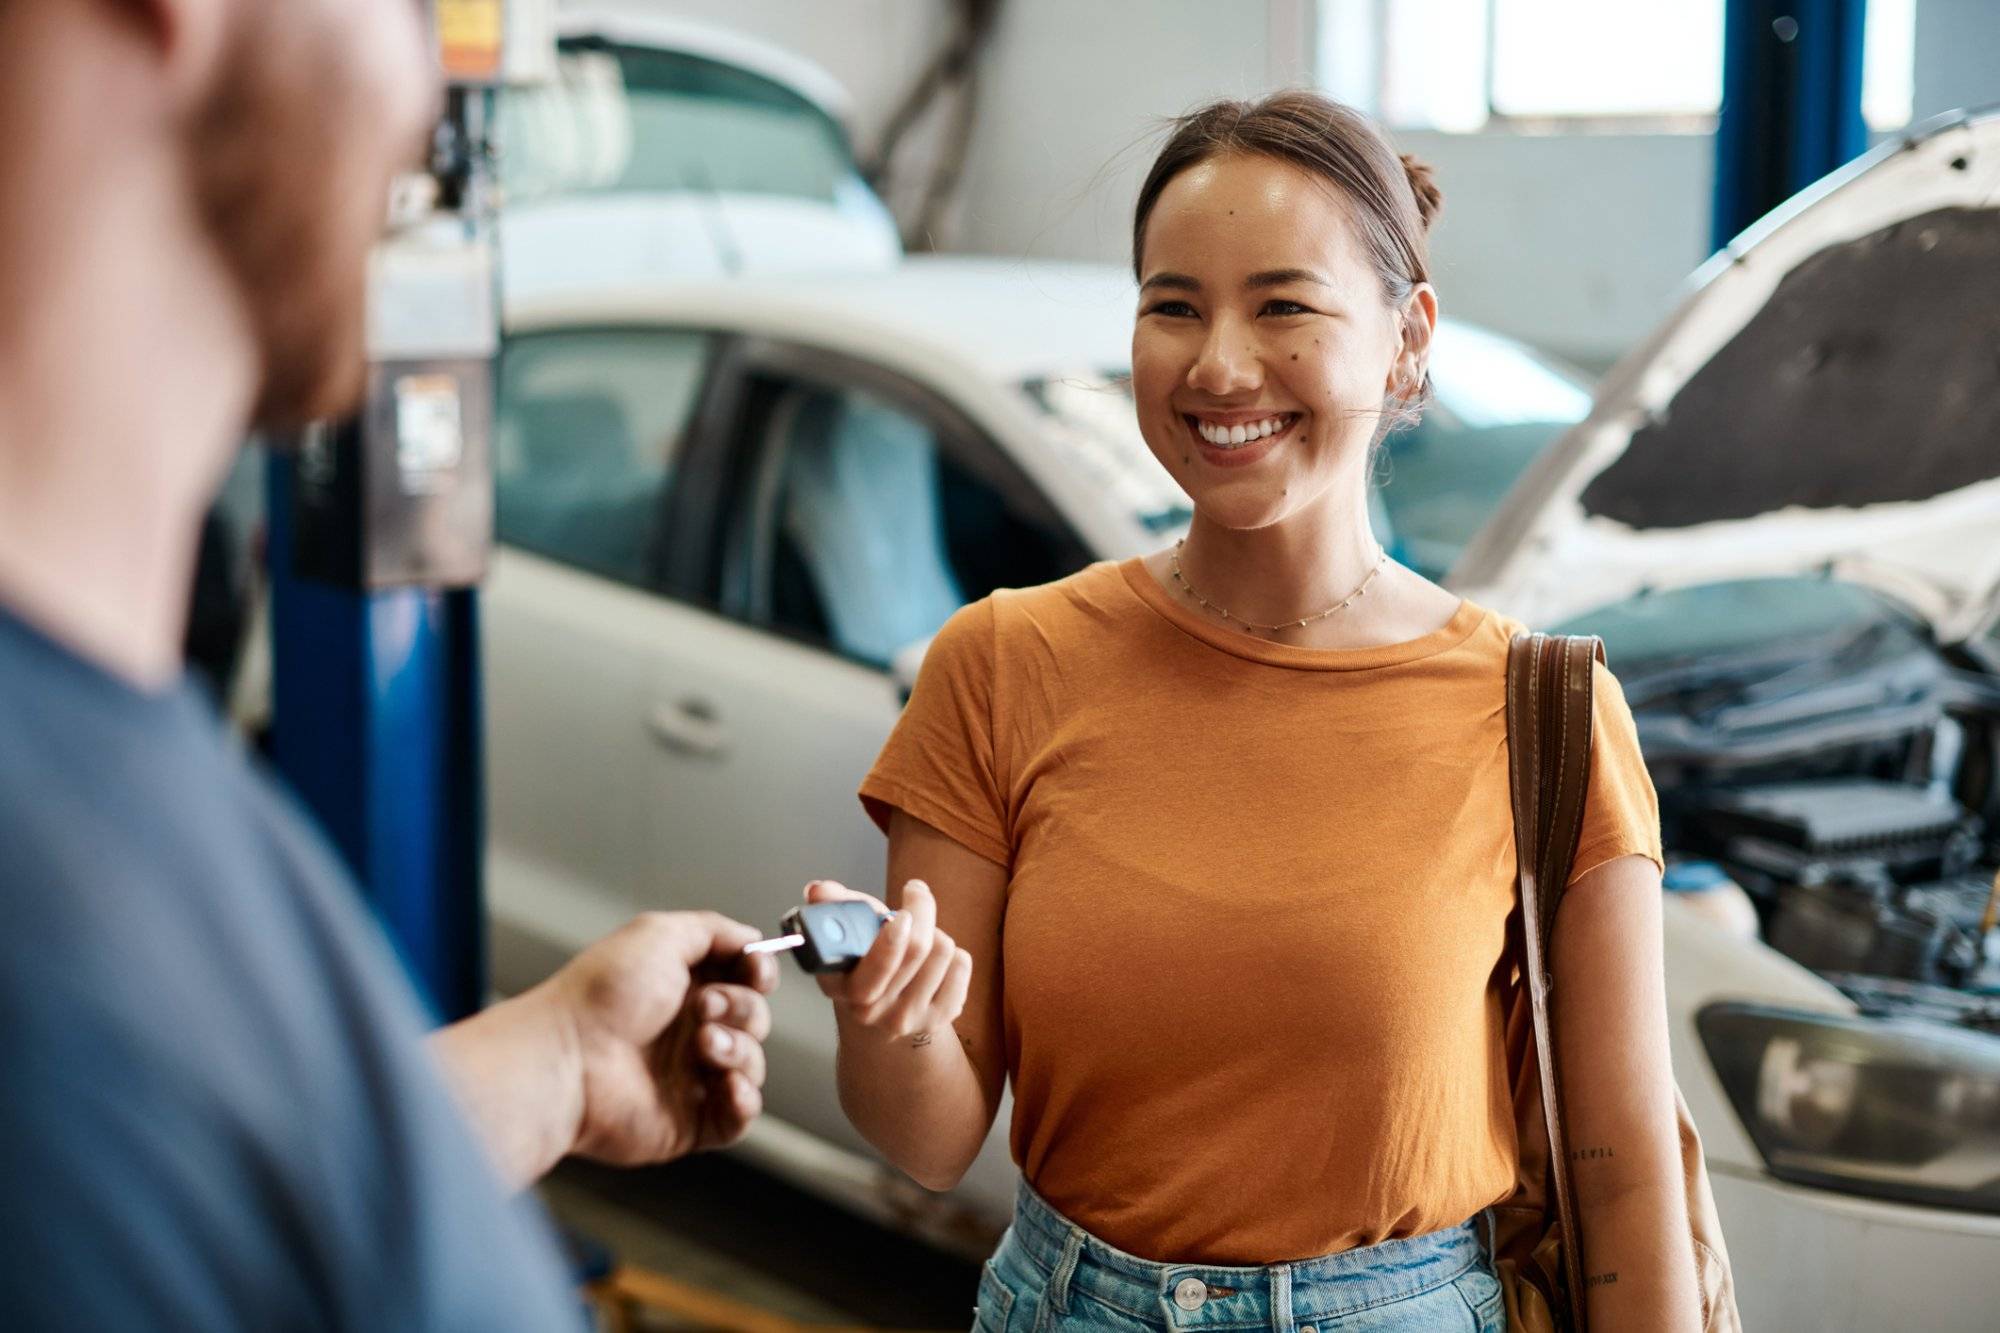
x,y
1897,1110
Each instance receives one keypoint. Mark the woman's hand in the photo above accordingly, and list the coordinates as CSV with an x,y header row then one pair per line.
x,y
913,982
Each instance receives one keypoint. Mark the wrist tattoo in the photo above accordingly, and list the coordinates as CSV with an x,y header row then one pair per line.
x,y
1600,1279
921,1039
1589,1154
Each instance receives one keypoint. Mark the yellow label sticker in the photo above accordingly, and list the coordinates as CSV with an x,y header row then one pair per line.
x,y
470,34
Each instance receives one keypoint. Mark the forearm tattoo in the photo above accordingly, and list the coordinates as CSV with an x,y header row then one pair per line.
x,y
1600,1279
1590,1154
921,1039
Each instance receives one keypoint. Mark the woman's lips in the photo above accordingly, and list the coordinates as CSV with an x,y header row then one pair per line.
x,y
1241,455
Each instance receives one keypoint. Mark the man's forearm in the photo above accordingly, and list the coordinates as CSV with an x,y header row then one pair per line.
x,y
516,1073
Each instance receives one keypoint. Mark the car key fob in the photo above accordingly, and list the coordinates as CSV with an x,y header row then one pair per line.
x,y
825,937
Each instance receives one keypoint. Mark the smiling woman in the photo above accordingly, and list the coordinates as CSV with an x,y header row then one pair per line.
x,y
1221,880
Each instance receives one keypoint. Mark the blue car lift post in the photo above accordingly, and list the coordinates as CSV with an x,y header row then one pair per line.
x,y
376,725
1791,103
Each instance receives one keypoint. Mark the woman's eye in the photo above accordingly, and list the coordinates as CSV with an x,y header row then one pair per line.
x,y
1283,308
1177,309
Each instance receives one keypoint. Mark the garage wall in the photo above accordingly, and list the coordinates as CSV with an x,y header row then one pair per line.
x,y
1955,57
1576,243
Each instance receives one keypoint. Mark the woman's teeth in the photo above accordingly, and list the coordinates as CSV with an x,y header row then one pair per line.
x,y
1230,437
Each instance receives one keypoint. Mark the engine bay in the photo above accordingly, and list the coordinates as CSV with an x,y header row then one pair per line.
x,y
1870,859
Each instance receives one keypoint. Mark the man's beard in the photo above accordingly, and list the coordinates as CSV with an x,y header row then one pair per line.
x,y
289,210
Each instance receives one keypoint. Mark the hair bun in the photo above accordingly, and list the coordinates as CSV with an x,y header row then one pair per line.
x,y
1423,184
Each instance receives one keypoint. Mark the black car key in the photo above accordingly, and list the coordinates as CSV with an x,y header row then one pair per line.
x,y
825,937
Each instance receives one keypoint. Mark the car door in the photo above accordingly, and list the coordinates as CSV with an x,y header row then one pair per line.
x,y
857,512
590,430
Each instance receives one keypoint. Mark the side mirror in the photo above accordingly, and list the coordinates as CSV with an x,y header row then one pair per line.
x,y
904,666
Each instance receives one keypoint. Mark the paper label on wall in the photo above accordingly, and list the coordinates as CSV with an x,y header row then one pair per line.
x,y
430,433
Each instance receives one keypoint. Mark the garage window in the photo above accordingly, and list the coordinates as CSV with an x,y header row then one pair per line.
x,y
1565,65
590,425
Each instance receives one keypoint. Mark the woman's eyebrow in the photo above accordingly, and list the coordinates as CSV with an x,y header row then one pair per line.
x,y
1283,277
1275,277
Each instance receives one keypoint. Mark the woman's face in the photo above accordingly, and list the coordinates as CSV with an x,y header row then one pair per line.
x,y
1264,345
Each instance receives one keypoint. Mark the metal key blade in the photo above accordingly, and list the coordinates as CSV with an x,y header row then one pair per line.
x,y
777,945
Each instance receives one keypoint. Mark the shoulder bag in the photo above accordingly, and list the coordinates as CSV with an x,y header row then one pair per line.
x,y
1537,1251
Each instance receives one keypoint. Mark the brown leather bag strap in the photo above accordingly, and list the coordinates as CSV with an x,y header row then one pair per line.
x,y
1549,679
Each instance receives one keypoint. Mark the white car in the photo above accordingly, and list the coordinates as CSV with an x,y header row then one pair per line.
x,y
732,513
669,148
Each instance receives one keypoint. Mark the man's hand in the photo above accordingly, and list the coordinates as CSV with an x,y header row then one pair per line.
x,y
668,1019
645,1047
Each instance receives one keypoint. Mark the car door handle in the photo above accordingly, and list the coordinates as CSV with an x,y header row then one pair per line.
x,y
691,726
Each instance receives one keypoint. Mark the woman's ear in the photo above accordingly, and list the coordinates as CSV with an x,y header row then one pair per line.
x,y
1413,357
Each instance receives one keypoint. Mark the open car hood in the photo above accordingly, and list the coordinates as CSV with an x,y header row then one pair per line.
x,y
1826,397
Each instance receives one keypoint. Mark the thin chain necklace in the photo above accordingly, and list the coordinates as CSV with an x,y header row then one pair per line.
x,y
1381,558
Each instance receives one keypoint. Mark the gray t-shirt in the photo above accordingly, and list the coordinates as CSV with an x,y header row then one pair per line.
x,y
217,1112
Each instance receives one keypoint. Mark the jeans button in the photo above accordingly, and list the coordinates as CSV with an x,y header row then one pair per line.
x,y
1190,1292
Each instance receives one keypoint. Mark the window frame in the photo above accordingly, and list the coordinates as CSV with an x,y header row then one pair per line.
x,y
675,567
959,437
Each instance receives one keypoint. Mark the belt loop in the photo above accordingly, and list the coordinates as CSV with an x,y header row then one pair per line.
x,y
1057,1293
1281,1297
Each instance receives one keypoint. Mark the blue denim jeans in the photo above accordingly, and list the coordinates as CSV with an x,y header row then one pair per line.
x,y
1049,1274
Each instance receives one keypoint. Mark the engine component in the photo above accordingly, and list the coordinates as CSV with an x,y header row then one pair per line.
x,y
1861,830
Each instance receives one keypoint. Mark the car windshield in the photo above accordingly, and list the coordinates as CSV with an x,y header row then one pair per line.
x,y
1495,405
1762,619
1091,415
627,119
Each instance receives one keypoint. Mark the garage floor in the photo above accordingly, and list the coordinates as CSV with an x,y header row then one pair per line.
x,y
720,1228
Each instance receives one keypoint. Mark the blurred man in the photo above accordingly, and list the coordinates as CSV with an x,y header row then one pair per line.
x,y
219,1112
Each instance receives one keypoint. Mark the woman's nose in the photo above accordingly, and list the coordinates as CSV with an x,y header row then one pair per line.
x,y
1226,364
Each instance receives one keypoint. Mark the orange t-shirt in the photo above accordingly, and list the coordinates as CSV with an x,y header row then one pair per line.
x,y
1252,956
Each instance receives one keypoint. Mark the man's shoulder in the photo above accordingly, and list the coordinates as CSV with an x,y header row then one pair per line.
x,y
217,1081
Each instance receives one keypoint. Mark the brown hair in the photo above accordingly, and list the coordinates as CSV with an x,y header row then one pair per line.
x,y
1393,198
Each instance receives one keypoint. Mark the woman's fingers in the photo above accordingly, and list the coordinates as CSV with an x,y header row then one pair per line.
x,y
829,891
910,1012
950,1000
910,968
922,911
868,983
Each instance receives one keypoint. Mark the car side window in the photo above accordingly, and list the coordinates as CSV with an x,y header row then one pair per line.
x,y
865,522
589,427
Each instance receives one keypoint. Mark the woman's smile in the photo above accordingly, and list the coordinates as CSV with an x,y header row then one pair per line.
x,y
1234,440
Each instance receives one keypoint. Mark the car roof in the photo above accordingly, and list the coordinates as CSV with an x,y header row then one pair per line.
x,y
727,45
1015,319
